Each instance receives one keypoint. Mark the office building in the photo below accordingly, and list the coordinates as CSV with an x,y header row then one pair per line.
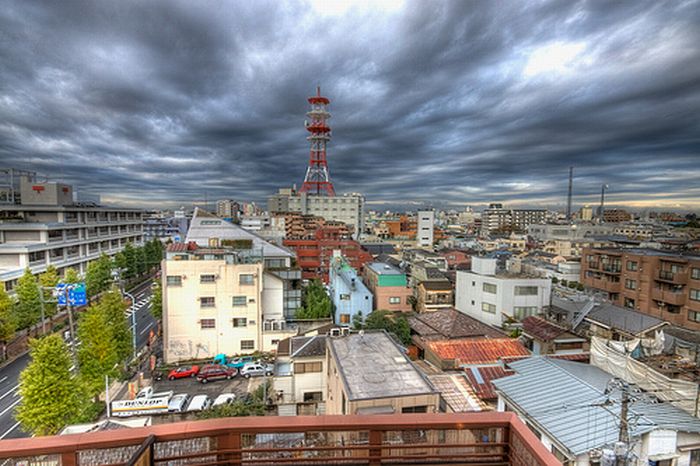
x,y
349,295
494,297
658,283
426,223
41,225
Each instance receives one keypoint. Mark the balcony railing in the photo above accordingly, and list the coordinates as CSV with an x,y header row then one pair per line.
x,y
498,439
673,277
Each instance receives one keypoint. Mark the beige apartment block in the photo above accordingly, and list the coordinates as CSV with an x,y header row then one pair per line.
x,y
219,300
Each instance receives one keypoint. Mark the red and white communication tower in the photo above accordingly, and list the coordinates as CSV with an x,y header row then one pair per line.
x,y
317,179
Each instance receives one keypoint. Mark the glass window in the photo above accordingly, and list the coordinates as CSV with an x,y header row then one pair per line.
x,y
207,278
629,302
695,295
344,318
675,268
207,323
490,288
694,316
246,279
174,280
695,275
525,291
344,297
240,322
487,307
240,300
207,301
632,266
415,409
520,312
631,284
304,367
394,300
247,344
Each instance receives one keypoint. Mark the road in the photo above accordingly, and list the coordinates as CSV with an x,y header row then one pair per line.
x,y
9,375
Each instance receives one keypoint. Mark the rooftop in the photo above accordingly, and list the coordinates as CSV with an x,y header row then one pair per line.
x,y
476,351
390,374
622,318
448,324
480,379
382,268
542,329
457,393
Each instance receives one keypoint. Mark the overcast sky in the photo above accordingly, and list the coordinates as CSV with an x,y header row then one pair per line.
x,y
452,103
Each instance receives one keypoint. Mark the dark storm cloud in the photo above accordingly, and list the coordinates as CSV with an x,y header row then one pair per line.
x,y
438,102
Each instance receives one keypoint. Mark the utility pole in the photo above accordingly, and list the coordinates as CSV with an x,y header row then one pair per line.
x,y
624,435
568,199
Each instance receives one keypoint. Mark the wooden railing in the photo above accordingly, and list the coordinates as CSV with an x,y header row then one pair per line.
x,y
484,439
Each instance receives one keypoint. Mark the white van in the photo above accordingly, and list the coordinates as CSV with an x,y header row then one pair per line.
x,y
199,403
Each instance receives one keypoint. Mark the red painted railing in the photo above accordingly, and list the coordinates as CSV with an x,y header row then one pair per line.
x,y
407,439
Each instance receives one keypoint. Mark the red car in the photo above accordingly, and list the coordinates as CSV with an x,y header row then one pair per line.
x,y
182,372
216,372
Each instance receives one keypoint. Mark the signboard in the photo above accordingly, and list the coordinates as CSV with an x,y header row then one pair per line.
x,y
143,406
77,295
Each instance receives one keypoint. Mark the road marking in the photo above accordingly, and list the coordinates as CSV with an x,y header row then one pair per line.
x,y
3,379
146,329
7,432
12,390
10,407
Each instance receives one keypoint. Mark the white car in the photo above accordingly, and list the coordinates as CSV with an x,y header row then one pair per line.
x,y
178,403
224,399
255,369
199,403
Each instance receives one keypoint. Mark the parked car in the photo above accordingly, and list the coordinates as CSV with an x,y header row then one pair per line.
x,y
215,372
234,362
199,403
178,403
182,372
224,399
256,369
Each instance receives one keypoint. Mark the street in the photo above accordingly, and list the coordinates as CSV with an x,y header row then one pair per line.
x,y
9,375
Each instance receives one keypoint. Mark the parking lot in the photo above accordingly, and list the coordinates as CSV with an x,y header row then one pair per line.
x,y
240,386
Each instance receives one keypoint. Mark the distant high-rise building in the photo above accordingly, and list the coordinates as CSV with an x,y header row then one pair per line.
x,y
426,223
495,218
586,213
226,208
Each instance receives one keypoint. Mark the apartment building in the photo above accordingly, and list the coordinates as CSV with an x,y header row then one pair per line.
x,y
300,375
220,299
494,296
349,295
658,283
616,216
346,208
369,374
227,208
389,286
499,219
523,218
426,223
41,225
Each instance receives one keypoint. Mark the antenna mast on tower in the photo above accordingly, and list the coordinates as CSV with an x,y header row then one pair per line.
x,y
317,179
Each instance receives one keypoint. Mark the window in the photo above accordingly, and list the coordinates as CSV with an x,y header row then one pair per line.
x,y
629,302
525,291
207,301
174,280
631,284
207,278
247,344
207,323
310,397
246,279
240,300
675,268
694,316
211,222
490,308
695,273
344,318
240,321
394,300
304,367
524,311
490,288
414,409
694,457
632,266
695,295
344,297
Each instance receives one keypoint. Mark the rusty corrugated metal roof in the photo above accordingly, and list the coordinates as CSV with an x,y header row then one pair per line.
x,y
476,351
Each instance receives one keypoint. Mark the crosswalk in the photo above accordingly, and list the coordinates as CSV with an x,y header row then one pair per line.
x,y
143,301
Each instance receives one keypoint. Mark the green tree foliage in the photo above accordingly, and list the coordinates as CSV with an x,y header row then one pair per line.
x,y
114,307
97,354
51,395
130,259
555,280
394,324
154,253
49,279
357,321
121,263
71,276
253,405
7,320
157,300
98,275
28,306
316,304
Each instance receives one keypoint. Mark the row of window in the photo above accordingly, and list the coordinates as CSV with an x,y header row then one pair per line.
x,y
211,323
243,279
210,301
518,291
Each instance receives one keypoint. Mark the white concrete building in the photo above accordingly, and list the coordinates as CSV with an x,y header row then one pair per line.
x,y
346,208
300,376
494,297
425,225
41,225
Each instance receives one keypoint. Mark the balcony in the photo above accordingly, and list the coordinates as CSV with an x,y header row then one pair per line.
x,y
498,439
668,297
612,268
602,284
677,278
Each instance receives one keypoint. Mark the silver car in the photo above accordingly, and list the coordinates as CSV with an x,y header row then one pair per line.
x,y
254,369
178,403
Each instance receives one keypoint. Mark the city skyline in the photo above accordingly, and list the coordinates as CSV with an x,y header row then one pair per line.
x,y
436,103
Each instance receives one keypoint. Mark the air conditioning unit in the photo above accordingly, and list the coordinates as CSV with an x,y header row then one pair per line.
x,y
345,330
335,332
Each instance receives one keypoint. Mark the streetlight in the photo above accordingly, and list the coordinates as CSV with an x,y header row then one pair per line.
x,y
116,276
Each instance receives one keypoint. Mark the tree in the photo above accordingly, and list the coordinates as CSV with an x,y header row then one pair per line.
x,y
357,321
555,280
157,300
140,266
114,308
316,304
7,321
49,279
98,275
28,306
71,276
51,395
97,354
397,325
130,261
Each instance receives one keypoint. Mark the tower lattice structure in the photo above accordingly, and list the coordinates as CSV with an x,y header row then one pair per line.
x,y
317,179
